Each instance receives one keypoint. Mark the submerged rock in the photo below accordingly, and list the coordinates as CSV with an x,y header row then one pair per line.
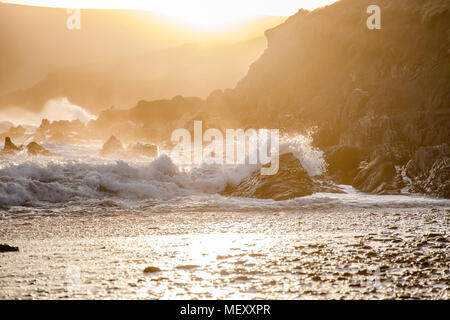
x,y
290,182
10,147
379,177
111,147
35,149
8,248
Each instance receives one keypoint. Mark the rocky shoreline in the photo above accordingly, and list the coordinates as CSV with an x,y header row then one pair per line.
x,y
381,115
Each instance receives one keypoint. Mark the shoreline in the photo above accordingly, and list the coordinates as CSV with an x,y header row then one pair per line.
x,y
360,254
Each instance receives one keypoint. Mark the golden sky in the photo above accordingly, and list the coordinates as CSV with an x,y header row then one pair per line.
x,y
200,13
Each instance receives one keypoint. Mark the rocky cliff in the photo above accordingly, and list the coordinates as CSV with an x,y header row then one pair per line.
x,y
377,98
382,92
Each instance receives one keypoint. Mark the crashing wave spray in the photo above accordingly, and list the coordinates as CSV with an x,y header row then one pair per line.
x,y
62,109
54,110
301,146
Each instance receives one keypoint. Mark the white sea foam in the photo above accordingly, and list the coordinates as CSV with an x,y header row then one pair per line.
x,y
37,181
80,177
63,109
301,146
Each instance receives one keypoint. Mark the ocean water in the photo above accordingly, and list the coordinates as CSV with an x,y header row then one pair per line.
x,y
79,178
87,227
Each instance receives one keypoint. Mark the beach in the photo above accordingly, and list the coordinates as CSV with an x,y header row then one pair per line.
x,y
295,254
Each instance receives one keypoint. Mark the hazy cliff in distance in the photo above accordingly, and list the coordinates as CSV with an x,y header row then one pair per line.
x,y
380,99
117,58
191,70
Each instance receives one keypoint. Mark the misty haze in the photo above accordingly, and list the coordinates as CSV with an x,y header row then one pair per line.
x,y
96,204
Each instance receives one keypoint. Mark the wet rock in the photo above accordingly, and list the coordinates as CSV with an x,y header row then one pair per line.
x,y
425,157
438,181
379,177
290,182
111,147
8,248
35,149
397,153
429,171
343,162
10,147
152,269
142,149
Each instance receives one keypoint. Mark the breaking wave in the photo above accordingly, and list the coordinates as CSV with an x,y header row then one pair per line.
x,y
311,158
79,178
31,183
53,110
63,109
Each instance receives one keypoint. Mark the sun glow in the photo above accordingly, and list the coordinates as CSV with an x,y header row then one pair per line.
x,y
205,14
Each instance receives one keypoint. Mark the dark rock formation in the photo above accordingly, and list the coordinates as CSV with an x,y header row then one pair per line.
x,y
395,152
343,162
429,171
60,131
112,147
35,149
142,149
380,177
385,91
8,248
10,147
290,182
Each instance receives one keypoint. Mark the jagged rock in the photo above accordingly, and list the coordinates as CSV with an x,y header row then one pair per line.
x,y
429,171
379,177
59,131
397,153
290,182
35,149
424,159
111,147
142,149
438,181
343,162
45,125
10,147
8,248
